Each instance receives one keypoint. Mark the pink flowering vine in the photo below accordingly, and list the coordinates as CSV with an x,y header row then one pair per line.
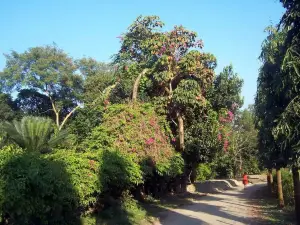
x,y
121,38
152,122
219,137
230,116
225,145
150,141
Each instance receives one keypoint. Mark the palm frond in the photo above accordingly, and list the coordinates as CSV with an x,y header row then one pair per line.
x,y
34,133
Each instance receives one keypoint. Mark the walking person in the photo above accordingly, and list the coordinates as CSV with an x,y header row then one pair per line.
x,y
245,179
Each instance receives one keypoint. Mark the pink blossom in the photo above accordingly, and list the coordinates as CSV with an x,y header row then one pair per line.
x,y
173,139
219,137
121,38
226,143
228,133
231,115
222,119
150,141
152,122
234,106
161,51
106,102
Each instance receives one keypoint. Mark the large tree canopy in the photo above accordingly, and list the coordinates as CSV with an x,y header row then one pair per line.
x,y
49,71
170,64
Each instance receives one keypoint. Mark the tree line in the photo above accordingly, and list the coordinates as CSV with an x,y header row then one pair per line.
x,y
141,124
277,100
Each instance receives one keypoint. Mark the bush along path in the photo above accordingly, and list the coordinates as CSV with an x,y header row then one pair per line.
x,y
89,141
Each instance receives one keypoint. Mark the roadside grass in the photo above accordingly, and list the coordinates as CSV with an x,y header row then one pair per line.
x,y
270,213
132,212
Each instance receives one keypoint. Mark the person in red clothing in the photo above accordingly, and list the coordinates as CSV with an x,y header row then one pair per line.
x,y
245,179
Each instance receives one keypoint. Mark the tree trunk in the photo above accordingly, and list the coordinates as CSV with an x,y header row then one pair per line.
x,y
67,117
57,111
136,85
297,193
279,188
181,131
54,110
270,181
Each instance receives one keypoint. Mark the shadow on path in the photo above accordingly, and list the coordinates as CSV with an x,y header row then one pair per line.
x,y
231,207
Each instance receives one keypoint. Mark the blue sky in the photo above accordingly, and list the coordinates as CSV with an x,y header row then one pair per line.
x,y
231,29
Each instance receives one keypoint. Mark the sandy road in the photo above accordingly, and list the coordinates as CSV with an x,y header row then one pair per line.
x,y
231,207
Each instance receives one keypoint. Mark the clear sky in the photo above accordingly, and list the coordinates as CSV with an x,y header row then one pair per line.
x,y
232,30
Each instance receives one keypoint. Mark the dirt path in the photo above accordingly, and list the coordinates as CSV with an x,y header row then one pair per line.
x,y
231,207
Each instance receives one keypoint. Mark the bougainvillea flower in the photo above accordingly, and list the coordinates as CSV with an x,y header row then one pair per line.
x,y
150,141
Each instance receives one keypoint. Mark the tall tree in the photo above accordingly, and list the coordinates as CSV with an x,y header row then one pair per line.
x,y
47,70
243,143
287,130
179,76
270,102
226,90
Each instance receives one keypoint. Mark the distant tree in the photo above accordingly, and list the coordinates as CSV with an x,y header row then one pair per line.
x,y
243,143
98,76
226,90
8,108
91,67
47,70
33,103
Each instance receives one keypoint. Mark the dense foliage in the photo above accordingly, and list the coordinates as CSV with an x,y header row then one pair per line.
x,y
92,136
35,190
138,133
277,100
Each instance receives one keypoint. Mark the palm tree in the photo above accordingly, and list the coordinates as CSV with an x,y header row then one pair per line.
x,y
34,133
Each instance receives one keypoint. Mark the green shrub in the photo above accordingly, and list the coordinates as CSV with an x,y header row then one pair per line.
x,y
125,211
138,132
173,168
287,186
223,166
35,190
118,172
83,170
251,165
204,172
128,210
